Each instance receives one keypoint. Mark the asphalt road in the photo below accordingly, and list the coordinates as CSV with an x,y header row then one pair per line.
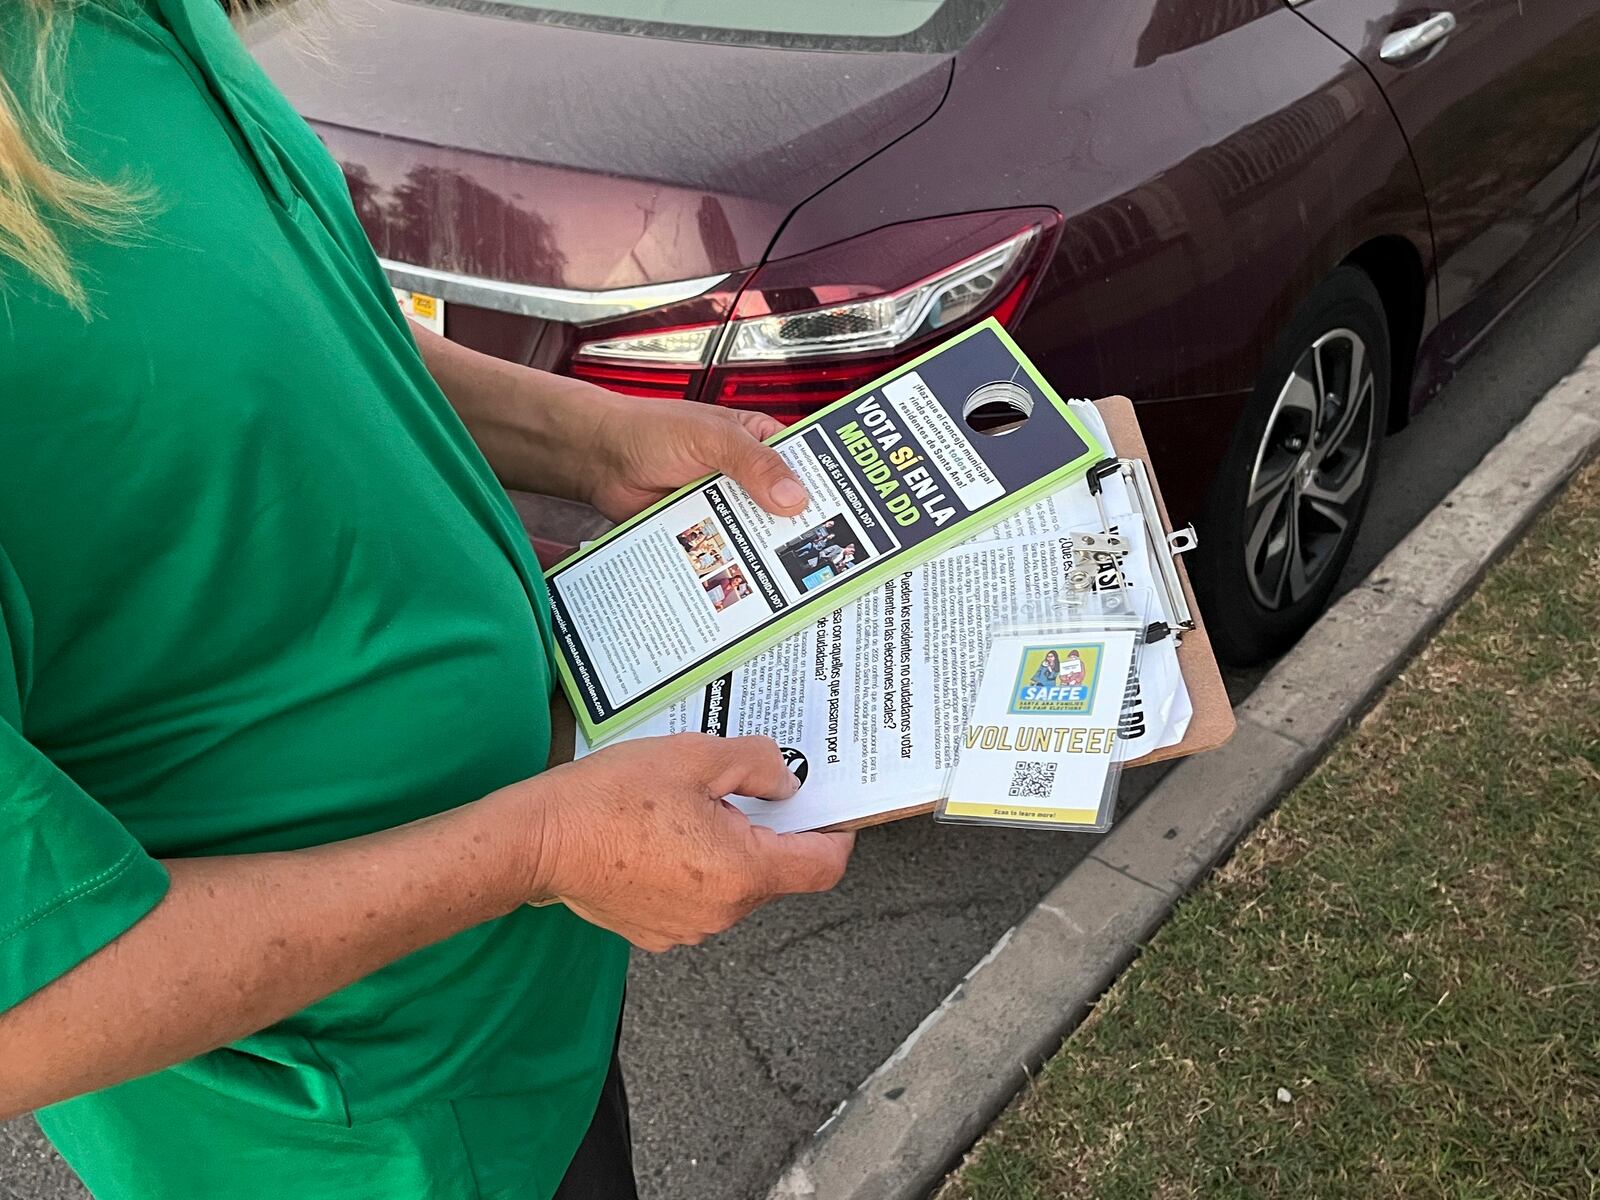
x,y
737,1050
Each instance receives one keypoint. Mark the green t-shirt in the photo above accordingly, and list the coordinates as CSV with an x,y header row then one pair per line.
x,y
259,591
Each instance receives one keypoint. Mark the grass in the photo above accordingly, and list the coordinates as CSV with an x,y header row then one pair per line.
x,y
1409,948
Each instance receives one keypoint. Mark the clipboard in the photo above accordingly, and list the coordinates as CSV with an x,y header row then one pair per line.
x,y
1213,721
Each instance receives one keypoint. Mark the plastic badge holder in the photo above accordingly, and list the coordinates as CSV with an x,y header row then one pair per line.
x,y
1040,747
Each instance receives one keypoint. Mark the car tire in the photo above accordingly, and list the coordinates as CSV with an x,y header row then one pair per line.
x,y
1284,511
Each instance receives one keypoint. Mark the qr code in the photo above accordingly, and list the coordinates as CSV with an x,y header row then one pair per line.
x,y
1033,780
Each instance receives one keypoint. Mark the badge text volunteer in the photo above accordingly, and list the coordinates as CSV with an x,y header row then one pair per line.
x,y
1045,739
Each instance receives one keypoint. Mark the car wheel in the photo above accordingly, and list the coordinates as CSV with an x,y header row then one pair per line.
x,y
1283,514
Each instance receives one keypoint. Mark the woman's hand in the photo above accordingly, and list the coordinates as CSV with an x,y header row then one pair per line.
x,y
637,838
648,449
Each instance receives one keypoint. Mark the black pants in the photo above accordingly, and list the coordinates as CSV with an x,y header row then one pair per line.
x,y
603,1167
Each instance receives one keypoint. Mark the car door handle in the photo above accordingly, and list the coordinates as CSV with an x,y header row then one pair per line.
x,y
1408,43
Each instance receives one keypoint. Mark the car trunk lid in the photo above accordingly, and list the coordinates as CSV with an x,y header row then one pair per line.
x,y
502,148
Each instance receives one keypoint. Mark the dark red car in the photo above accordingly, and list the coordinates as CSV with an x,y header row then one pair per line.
x,y
1276,226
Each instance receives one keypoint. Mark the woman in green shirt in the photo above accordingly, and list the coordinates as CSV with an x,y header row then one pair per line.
x,y
288,906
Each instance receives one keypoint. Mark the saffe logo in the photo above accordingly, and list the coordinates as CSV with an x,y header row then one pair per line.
x,y
1057,679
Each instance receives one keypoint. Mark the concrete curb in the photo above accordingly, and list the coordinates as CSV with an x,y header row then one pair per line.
x,y
904,1128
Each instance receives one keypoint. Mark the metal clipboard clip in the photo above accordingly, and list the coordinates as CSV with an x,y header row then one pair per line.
x,y
1103,547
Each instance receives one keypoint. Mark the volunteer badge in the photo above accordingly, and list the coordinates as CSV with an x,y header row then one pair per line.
x,y
1057,679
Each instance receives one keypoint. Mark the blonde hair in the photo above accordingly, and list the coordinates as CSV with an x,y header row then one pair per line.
x,y
42,189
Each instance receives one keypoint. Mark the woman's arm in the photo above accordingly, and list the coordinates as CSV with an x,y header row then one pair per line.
x,y
564,437
240,942
635,838
526,422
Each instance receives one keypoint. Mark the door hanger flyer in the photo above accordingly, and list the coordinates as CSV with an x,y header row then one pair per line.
x,y
702,581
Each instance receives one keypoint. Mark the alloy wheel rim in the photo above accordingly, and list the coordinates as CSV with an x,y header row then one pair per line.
x,y
1309,469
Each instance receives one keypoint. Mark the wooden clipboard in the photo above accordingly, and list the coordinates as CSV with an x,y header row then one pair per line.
x,y
1212,723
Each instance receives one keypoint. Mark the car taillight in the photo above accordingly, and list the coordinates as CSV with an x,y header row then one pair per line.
x,y
806,330
652,383
660,364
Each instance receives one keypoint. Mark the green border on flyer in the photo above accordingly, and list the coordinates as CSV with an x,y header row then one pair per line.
x,y
837,597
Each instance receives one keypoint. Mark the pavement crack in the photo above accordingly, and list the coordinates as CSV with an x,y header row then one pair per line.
x,y
762,1058
888,916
